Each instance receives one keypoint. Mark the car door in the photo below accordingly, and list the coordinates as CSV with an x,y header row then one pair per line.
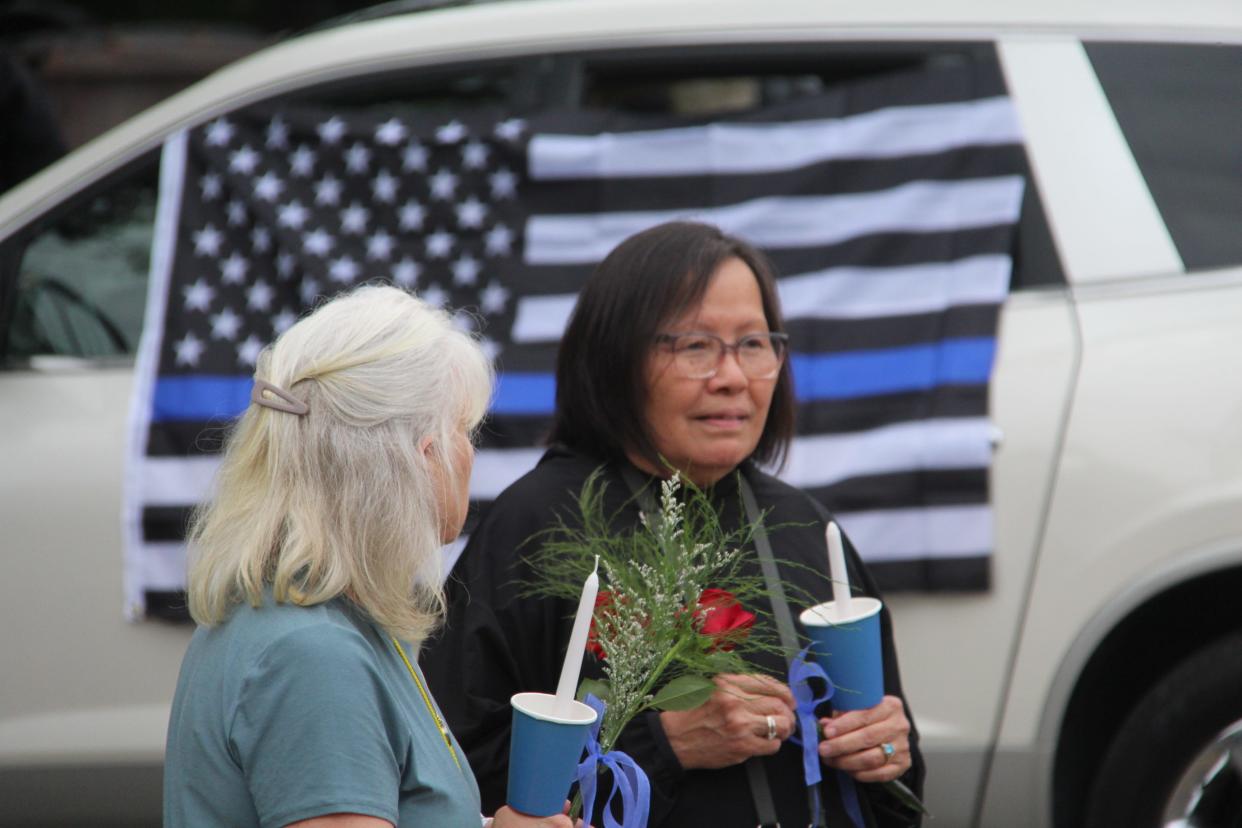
x,y
1138,161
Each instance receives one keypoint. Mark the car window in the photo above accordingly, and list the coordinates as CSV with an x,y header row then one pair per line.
x,y
82,276
707,80
1177,107
443,88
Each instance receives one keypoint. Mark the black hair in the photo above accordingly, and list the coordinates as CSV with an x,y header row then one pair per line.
x,y
647,280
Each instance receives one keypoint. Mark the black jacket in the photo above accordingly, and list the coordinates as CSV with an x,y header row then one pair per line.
x,y
495,643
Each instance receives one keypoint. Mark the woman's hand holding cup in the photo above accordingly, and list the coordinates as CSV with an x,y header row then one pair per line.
x,y
871,745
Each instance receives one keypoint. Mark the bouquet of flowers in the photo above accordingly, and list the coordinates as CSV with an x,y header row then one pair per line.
x,y
671,611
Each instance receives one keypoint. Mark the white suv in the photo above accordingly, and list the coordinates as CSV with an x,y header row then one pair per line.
x,y
1099,676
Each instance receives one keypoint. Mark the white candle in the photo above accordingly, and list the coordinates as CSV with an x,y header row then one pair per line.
x,y
840,576
577,639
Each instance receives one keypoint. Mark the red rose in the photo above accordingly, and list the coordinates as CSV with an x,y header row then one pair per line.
x,y
720,617
603,605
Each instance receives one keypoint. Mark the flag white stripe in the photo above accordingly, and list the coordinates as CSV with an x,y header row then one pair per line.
x,y
814,460
733,149
951,443
935,532
450,552
496,469
833,293
178,481
875,292
791,221
185,481
542,318
163,251
163,566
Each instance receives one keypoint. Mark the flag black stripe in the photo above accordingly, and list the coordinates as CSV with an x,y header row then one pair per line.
x,y
186,439
877,250
504,431
966,574
881,250
831,336
906,490
167,605
901,490
844,416
837,177
165,523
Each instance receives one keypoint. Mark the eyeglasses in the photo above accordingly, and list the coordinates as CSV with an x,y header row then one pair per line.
x,y
698,355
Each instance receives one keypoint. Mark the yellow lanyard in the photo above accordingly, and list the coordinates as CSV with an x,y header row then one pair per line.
x,y
435,717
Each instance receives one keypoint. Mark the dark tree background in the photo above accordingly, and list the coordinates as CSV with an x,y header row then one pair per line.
x,y
270,16
72,69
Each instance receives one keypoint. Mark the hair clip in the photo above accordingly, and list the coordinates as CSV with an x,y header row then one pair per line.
x,y
286,402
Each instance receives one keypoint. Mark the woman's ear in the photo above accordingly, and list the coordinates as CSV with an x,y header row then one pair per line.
x,y
425,446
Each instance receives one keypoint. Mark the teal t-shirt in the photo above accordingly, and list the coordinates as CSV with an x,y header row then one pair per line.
x,y
283,713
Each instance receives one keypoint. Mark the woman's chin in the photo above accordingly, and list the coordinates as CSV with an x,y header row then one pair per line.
x,y
706,469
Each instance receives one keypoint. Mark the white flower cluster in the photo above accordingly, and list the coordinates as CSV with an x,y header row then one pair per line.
x,y
646,621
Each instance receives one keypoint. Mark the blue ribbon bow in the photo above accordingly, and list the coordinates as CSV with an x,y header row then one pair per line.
x,y
800,673
628,779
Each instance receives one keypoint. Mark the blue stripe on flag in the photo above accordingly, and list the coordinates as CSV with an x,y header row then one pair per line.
x,y
200,398
212,397
892,370
816,377
523,393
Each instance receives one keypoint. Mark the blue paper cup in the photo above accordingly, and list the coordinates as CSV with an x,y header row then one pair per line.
x,y
848,648
544,750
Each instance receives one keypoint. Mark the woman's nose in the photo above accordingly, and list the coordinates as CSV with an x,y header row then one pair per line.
x,y
729,373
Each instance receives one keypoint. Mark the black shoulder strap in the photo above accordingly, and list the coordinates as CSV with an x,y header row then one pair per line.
x,y
771,575
760,789
780,604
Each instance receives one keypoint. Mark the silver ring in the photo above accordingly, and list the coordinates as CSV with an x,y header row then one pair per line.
x,y
889,750
771,727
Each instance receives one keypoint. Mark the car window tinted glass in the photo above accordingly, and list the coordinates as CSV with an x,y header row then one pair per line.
x,y
711,80
1178,109
1036,263
82,278
428,90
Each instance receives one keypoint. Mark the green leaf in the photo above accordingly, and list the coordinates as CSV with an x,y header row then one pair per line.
x,y
599,689
725,662
684,693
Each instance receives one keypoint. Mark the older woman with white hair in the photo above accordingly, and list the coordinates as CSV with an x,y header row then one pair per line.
x,y
314,577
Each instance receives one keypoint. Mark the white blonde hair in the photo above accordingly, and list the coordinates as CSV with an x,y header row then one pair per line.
x,y
344,500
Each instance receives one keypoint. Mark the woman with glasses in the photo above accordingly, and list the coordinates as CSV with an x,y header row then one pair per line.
x,y
675,358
